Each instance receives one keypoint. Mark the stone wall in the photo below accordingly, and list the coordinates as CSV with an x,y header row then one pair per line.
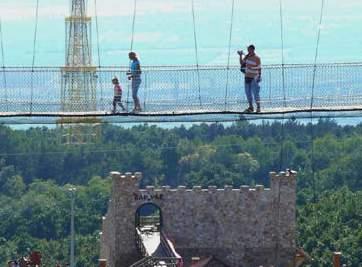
x,y
241,227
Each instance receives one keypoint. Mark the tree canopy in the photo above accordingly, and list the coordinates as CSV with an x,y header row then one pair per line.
x,y
36,170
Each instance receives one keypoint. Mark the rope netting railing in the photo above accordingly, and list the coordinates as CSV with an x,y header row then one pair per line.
x,y
175,90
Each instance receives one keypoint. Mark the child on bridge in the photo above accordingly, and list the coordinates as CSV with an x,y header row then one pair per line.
x,y
117,99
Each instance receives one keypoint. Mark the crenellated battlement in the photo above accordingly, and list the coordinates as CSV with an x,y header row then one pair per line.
x,y
209,189
133,179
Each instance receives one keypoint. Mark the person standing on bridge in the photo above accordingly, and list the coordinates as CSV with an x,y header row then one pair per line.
x,y
251,66
134,75
117,98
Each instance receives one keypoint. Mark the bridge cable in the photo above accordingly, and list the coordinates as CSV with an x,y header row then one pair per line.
x,y
98,45
34,54
282,143
311,107
133,30
196,50
97,31
133,24
3,64
229,52
281,13
317,52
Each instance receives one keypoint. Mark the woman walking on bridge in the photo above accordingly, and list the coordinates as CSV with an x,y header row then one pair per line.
x,y
135,77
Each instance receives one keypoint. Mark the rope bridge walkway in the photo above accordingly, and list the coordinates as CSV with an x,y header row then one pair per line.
x,y
286,90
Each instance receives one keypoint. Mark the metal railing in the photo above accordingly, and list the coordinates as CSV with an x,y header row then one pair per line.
x,y
174,90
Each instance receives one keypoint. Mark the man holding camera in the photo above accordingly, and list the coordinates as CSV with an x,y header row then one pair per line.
x,y
251,67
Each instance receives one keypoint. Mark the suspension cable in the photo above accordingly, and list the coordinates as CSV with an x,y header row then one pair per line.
x,y
229,52
98,47
3,64
281,13
311,106
34,54
196,50
35,33
317,52
133,24
97,30
132,44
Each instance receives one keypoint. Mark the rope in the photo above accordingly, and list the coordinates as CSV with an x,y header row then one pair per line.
x,y
34,54
311,107
229,52
316,53
133,24
196,50
282,48
98,47
3,65
281,14
97,30
131,46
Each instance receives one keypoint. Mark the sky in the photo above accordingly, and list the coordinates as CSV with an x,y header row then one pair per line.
x,y
164,31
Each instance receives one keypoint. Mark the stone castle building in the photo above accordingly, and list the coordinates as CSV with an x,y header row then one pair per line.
x,y
240,227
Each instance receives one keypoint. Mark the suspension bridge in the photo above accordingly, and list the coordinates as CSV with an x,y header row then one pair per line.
x,y
81,91
171,93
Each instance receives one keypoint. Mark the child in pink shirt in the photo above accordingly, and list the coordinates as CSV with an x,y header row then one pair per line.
x,y
117,99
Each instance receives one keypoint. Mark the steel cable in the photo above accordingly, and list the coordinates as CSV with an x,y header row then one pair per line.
x,y
98,48
317,52
311,107
3,64
281,13
133,29
229,52
196,50
34,55
97,30
133,24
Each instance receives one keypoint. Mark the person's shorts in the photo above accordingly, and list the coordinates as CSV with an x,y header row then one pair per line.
x,y
117,98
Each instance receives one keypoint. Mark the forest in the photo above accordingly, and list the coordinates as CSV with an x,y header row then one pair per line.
x,y
36,171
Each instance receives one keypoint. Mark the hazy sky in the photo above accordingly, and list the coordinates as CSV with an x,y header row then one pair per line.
x,y
164,30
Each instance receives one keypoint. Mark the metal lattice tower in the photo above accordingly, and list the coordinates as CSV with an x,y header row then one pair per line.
x,y
79,79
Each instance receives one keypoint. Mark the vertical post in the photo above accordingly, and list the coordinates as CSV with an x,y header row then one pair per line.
x,y
72,190
337,259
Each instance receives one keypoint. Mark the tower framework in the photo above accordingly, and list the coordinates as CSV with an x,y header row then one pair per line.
x,y
79,77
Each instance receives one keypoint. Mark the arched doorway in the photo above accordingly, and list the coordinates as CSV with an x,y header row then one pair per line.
x,y
149,215
148,226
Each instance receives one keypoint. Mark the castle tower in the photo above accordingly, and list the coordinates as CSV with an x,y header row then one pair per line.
x,y
78,88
